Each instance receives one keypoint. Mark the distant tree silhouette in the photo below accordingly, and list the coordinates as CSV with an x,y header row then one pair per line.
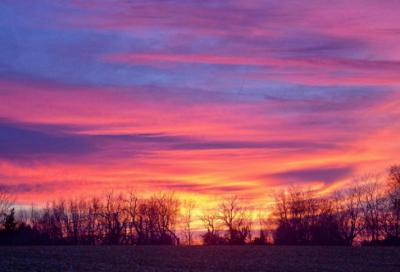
x,y
261,240
110,213
391,212
209,218
237,219
6,202
186,218
263,223
295,209
213,239
366,212
9,222
304,219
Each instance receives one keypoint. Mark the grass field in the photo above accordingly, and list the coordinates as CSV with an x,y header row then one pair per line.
x,y
198,258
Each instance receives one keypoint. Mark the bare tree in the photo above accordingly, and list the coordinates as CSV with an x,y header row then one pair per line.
x,y
114,220
237,218
360,210
296,210
168,210
132,203
262,219
282,206
6,202
209,219
303,211
187,211
349,212
394,176
77,215
391,214
373,204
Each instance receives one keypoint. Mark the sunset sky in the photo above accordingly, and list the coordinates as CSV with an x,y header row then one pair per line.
x,y
207,98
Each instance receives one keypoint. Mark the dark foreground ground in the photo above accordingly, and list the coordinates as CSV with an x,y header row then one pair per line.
x,y
198,258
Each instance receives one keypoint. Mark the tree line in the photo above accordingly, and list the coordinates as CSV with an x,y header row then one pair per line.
x,y
367,212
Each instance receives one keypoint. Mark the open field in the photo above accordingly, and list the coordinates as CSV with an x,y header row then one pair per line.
x,y
198,258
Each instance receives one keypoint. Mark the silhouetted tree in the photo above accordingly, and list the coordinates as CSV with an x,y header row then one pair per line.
x,y
367,211
373,205
391,213
209,219
349,212
237,219
262,238
9,222
187,210
168,209
6,202
112,219
296,210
